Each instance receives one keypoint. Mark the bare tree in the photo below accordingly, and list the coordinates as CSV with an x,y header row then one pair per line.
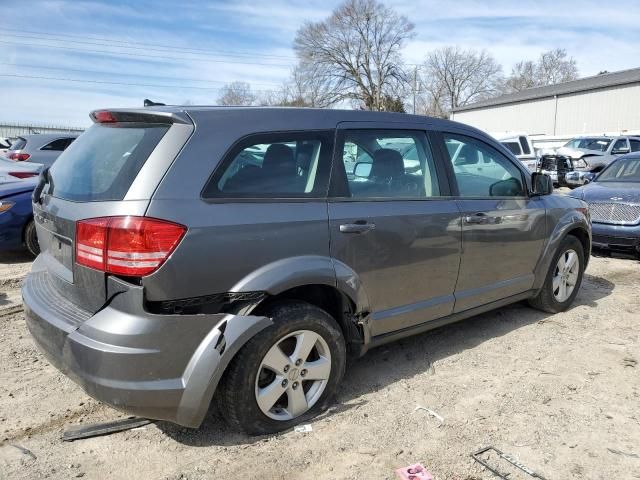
x,y
355,53
304,88
236,93
454,77
523,75
552,67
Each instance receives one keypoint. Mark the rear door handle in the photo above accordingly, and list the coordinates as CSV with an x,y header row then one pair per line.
x,y
358,227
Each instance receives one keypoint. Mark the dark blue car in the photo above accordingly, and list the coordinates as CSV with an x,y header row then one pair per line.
x,y
17,229
614,203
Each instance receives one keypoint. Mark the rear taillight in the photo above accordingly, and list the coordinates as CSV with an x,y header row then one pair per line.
x,y
23,174
18,157
130,246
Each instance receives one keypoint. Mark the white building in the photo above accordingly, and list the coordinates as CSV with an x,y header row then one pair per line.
x,y
602,104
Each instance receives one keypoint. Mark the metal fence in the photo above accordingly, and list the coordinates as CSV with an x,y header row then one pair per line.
x,y
10,130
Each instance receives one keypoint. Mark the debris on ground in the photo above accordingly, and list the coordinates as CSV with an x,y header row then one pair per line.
x,y
481,457
26,451
620,452
105,428
430,412
303,428
414,472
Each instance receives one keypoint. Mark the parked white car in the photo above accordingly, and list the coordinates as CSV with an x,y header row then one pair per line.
x,y
5,143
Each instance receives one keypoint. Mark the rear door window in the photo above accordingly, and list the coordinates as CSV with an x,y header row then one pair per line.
x,y
275,165
104,161
57,145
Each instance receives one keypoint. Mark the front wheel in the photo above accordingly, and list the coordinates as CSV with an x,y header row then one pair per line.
x,y
563,279
287,373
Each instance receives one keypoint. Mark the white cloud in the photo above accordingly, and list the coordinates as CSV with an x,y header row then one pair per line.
x,y
598,36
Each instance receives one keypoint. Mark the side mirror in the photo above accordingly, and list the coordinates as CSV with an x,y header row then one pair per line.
x,y
588,177
620,151
362,169
542,184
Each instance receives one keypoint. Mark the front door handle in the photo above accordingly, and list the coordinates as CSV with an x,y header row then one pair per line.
x,y
357,227
481,219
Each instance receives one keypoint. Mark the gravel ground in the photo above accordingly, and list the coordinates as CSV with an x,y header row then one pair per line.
x,y
561,393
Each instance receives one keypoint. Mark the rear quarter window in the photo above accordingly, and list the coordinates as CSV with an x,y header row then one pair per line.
x,y
57,145
19,144
274,165
103,162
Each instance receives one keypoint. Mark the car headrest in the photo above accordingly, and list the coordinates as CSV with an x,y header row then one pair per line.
x,y
387,163
278,159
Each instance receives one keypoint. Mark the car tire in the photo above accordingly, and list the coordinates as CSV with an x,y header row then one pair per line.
x,y
241,396
549,298
31,239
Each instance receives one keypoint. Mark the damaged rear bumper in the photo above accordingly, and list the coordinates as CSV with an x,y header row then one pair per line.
x,y
163,367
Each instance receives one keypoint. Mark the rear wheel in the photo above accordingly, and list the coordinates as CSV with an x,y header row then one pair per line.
x,y
31,239
287,373
563,279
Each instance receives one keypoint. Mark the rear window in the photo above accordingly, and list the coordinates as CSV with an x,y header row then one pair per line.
x,y
525,145
513,147
104,161
19,144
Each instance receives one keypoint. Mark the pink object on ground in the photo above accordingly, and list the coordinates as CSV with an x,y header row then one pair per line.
x,y
414,472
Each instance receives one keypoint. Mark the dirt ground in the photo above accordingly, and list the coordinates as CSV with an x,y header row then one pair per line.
x,y
561,393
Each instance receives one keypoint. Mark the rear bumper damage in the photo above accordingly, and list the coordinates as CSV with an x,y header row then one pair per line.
x,y
163,367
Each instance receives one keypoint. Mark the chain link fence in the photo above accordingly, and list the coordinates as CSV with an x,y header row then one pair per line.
x,y
10,130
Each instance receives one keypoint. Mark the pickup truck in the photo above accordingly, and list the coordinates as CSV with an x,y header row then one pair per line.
x,y
520,145
591,154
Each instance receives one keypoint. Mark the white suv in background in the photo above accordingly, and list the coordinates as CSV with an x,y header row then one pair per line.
x,y
520,145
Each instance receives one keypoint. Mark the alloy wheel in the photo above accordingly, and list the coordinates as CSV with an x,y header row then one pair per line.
x,y
293,375
565,275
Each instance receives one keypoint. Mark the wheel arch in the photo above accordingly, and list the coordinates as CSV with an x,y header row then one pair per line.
x,y
572,223
321,281
583,235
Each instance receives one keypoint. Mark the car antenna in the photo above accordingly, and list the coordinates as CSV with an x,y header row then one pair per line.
x,y
149,103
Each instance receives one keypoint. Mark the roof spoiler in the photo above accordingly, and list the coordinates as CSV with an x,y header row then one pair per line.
x,y
138,116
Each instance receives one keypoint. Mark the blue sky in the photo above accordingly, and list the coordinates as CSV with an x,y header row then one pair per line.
x,y
116,53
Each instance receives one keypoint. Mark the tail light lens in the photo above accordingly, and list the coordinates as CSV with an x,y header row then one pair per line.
x,y
23,174
18,157
131,246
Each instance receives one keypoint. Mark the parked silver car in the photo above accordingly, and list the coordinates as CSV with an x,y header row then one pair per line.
x,y
11,171
39,148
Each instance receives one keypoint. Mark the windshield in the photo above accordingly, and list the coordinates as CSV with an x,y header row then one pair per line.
x,y
104,161
623,170
597,144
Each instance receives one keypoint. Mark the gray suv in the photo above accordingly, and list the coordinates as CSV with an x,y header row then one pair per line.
x,y
238,255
